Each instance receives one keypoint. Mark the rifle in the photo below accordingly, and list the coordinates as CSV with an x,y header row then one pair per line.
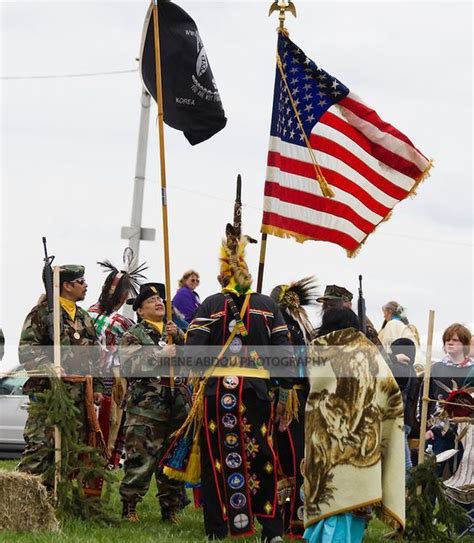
x,y
361,311
48,285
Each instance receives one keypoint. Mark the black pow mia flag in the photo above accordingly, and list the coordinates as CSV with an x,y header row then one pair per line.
x,y
191,101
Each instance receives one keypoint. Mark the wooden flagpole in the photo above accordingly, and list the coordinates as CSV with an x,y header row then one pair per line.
x,y
426,388
282,6
161,138
57,371
261,263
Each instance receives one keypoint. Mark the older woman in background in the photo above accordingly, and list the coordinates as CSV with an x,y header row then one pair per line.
x,y
186,300
396,326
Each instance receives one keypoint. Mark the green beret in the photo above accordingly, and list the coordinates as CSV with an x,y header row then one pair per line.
x,y
334,292
71,272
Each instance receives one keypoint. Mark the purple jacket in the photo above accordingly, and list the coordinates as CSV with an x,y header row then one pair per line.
x,y
186,302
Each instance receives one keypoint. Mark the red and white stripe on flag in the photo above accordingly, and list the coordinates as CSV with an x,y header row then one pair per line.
x,y
369,164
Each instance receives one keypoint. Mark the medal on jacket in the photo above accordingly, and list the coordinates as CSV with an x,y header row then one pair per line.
x,y
76,334
162,342
230,382
235,345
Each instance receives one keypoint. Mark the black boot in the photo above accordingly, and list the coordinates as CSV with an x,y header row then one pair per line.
x,y
171,515
129,512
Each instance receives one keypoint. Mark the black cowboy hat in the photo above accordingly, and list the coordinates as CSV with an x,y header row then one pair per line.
x,y
147,290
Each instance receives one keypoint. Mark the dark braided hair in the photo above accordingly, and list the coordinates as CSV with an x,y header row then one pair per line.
x,y
113,291
109,303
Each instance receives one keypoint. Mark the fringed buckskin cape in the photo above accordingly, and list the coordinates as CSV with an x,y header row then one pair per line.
x,y
354,456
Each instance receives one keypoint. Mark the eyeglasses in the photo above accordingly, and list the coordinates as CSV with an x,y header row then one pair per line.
x,y
80,281
153,299
194,280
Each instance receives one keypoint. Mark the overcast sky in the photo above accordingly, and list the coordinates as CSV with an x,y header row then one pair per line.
x,y
69,147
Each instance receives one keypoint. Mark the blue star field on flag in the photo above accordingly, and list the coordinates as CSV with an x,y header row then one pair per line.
x,y
313,91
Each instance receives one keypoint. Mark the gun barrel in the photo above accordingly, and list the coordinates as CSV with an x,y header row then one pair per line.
x,y
361,308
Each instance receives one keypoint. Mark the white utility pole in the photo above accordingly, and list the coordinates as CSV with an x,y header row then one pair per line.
x,y
135,233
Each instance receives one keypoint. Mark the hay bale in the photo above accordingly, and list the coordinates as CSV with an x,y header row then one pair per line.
x,y
24,503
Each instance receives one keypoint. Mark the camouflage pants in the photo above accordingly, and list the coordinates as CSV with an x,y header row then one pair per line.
x,y
146,440
38,456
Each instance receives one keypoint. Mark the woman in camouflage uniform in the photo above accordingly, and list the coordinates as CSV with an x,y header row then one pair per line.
x,y
156,406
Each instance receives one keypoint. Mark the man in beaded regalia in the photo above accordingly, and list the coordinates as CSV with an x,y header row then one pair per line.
x,y
238,461
290,405
110,326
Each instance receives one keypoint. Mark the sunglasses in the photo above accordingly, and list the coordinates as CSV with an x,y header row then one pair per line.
x,y
194,280
80,281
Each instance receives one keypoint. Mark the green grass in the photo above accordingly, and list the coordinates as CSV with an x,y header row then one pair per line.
x,y
149,529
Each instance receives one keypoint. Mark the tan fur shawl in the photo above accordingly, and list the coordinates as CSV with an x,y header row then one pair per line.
x,y
354,454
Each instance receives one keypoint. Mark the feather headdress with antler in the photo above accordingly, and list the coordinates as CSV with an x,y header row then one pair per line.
x,y
234,273
120,283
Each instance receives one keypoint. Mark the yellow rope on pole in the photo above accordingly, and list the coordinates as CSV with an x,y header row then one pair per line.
x,y
261,263
325,188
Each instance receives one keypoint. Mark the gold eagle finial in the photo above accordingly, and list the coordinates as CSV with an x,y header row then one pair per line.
x,y
282,6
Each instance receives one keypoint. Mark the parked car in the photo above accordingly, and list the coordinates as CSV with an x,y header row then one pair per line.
x,y
13,412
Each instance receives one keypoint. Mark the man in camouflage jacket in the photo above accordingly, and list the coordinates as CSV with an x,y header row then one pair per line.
x,y
80,352
155,407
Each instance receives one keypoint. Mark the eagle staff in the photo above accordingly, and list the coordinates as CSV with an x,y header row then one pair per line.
x,y
161,137
282,6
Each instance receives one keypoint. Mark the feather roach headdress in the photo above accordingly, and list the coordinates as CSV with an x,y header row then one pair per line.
x,y
460,400
120,283
293,299
234,272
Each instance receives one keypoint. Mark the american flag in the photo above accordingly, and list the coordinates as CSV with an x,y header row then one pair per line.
x,y
322,131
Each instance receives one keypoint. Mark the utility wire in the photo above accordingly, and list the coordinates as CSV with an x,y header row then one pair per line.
x,y
256,208
66,76
446,242
184,189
